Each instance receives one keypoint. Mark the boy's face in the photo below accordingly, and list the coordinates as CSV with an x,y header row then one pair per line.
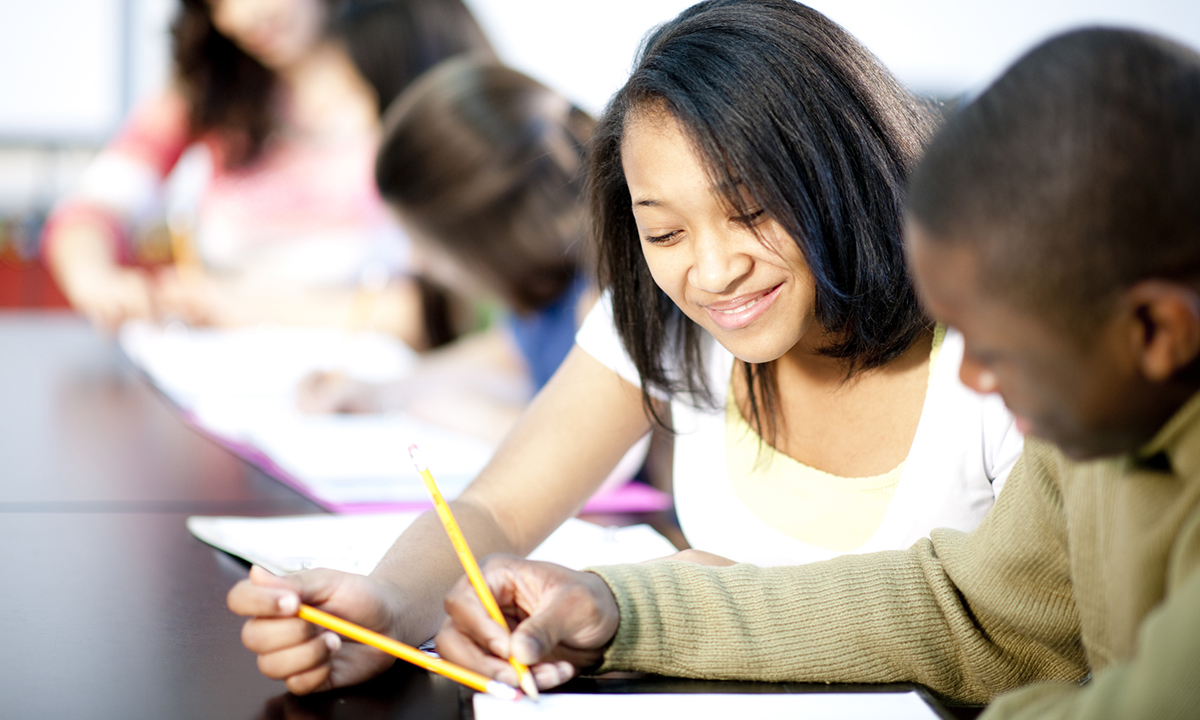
x,y
1081,398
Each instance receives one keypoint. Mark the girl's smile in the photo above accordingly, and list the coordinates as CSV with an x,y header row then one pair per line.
x,y
741,311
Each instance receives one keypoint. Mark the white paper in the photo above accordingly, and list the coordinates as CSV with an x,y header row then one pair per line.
x,y
240,385
356,543
810,706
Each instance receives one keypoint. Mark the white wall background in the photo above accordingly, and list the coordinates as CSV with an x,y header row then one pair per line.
x,y
939,47
70,69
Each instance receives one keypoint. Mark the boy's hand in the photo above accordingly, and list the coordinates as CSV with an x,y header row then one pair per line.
x,y
561,621
306,657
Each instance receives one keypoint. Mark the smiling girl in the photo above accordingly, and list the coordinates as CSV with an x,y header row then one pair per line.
x,y
746,188
273,109
751,172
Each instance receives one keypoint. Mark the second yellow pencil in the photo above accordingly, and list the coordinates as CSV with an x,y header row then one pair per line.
x,y
524,676
407,653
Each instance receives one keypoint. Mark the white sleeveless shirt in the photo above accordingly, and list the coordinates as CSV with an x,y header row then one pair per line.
x,y
963,450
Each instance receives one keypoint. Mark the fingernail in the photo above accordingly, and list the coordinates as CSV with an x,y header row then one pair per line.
x,y
289,604
498,648
333,642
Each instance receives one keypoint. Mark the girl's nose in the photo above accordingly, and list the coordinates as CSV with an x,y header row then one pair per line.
x,y
717,263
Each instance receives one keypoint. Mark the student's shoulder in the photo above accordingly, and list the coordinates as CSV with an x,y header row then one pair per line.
x,y
156,132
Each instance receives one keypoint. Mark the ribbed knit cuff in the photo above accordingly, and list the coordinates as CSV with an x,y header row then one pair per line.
x,y
640,630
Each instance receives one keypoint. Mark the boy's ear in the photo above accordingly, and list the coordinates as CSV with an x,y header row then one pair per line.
x,y
1166,327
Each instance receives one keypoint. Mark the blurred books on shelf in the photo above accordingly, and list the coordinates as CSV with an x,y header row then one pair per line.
x,y
24,280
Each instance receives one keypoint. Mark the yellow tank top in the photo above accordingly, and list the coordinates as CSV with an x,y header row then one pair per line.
x,y
810,505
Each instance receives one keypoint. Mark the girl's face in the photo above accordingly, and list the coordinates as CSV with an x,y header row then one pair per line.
x,y
277,33
741,277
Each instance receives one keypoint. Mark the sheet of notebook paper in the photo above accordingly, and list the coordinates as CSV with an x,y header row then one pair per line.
x,y
810,706
239,386
356,543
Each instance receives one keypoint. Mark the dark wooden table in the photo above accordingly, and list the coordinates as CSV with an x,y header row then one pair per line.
x,y
109,608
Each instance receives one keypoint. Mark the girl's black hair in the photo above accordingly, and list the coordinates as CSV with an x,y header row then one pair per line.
x,y
390,41
784,105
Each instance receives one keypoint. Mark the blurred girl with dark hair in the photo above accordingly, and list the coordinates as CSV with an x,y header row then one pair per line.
x,y
485,169
279,101
747,194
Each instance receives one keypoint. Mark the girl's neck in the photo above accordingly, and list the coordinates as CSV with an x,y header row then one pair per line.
x,y
855,426
323,95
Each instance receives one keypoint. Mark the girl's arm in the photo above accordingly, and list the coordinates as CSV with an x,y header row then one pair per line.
x,y
477,385
558,453
211,300
87,235
80,251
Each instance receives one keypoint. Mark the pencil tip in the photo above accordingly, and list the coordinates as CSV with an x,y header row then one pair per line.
x,y
530,686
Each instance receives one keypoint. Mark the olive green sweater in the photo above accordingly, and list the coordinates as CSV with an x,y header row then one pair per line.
x,y
1080,570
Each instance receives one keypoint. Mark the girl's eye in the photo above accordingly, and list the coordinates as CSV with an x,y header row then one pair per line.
x,y
749,219
659,239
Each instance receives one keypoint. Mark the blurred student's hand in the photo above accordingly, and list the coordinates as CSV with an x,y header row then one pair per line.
x,y
306,657
109,297
197,299
561,621
327,392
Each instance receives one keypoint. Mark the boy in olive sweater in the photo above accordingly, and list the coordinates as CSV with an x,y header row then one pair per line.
x,y
1056,222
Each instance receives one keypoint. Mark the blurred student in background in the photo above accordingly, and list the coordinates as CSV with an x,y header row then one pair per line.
x,y
484,167
281,99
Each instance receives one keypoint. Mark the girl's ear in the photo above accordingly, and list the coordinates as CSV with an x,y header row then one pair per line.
x,y
1166,330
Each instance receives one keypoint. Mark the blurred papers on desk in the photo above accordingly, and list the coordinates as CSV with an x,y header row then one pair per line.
x,y
239,387
811,706
356,543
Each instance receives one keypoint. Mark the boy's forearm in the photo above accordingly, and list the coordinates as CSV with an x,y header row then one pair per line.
x,y
858,619
970,616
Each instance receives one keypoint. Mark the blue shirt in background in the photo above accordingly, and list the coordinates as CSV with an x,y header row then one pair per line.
x,y
546,336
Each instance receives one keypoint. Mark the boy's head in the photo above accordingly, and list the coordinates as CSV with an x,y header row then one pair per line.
x,y
1056,222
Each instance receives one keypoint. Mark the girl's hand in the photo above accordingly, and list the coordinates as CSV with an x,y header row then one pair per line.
x,y
109,297
561,621
197,299
306,657
326,392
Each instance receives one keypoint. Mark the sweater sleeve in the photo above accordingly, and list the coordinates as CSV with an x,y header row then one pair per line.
x,y
969,616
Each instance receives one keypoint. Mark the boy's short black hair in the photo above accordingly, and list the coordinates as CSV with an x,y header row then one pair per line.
x,y
1076,175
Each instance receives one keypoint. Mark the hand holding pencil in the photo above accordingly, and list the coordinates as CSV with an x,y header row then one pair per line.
x,y
303,655
285,632
567,619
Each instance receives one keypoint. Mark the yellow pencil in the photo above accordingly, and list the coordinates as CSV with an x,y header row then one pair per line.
x,y
373,280
407,653
470,566
187,260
